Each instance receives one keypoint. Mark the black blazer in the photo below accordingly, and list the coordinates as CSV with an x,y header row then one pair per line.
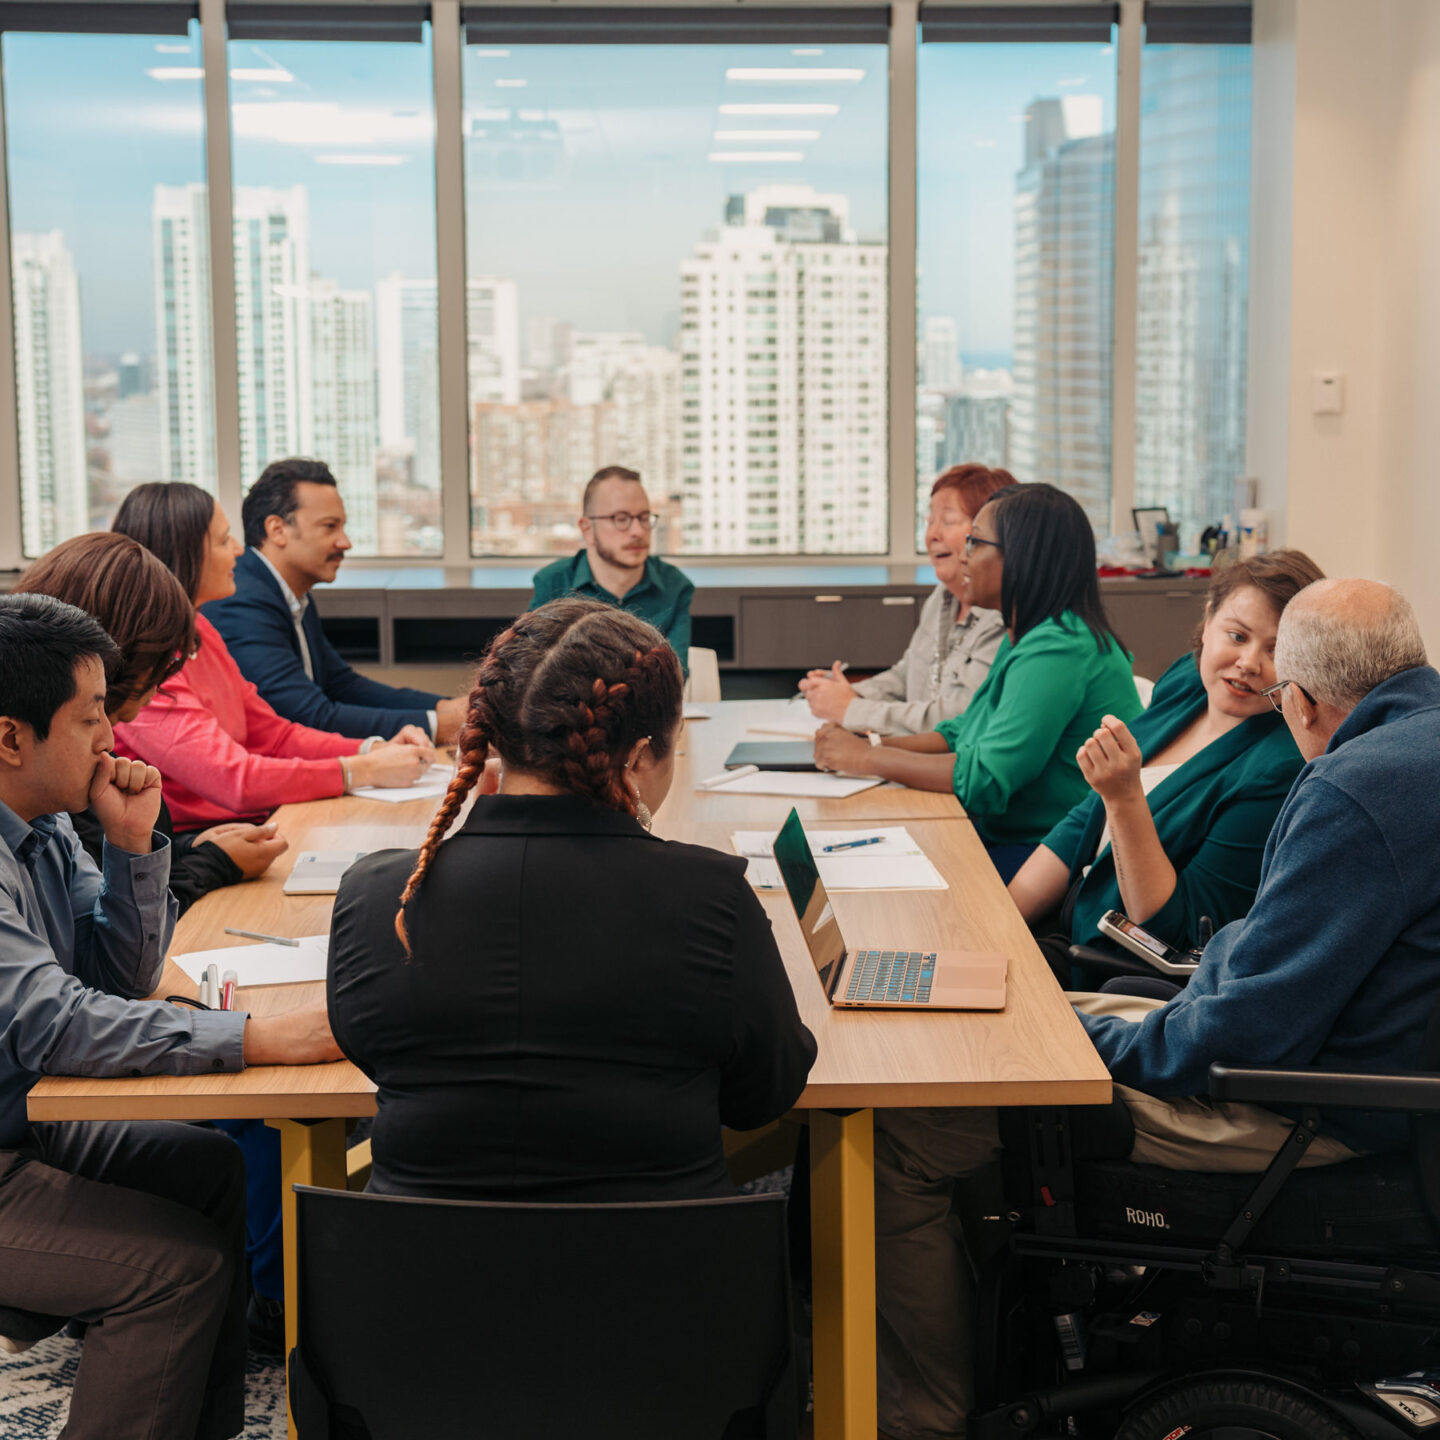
x,y
585,1007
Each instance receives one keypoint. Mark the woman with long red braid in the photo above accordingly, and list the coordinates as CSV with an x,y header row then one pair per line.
x,y
566,1007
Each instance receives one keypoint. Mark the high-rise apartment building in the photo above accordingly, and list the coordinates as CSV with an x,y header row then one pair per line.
x,y
342,358
1192,284
272,279
49,391
1064,267
182,334
940,354
492,340
783,381
977,430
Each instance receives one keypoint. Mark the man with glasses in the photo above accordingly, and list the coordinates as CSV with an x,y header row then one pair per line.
x,y
616,565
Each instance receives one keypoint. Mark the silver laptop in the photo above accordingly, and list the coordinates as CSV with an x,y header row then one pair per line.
x,y
893,978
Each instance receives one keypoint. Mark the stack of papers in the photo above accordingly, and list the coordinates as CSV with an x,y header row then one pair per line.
x,y
430,786
809,784
896,863
264,964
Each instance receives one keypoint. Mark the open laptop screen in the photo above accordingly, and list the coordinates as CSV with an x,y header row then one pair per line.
x,y
807,894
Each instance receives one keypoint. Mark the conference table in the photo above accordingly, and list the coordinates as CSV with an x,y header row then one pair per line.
x,y
1033,1052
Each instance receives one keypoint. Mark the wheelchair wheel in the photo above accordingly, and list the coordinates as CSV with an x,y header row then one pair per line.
x,y
1233,1407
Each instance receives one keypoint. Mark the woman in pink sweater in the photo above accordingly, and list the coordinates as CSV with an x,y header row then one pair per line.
x,y
223,752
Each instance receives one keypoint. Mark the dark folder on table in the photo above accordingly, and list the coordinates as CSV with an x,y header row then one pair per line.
x,y
773,755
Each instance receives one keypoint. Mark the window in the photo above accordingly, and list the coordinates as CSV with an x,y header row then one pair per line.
x,y
1015,256
1193,288
105,149
335,290
635,213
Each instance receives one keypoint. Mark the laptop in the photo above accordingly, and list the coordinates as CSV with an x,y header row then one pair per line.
x,y
894,978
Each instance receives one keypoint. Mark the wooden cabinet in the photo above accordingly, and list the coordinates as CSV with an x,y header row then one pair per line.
x,y
797,631
1155,618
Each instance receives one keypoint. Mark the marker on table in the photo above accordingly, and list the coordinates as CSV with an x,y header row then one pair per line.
x,y
210,987
852,844
726,776
256,935
228,982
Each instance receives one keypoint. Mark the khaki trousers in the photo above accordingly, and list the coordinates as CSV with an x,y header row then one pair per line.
x,y
924,1280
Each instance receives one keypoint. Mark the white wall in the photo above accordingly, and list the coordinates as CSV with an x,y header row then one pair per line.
x,y
1359,224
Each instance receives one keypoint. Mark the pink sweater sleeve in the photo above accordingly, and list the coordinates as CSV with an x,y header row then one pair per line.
x,y
180,735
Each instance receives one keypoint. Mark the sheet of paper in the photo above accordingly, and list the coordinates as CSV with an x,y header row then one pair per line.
x,y
263,964
430,786
802,725
896,863
807,784
695,712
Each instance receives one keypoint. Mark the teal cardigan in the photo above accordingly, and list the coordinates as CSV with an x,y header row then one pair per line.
x,y
1213,816
1015,744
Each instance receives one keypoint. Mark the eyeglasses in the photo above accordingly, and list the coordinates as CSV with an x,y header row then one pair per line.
x,y
1273,695
623,519
972,540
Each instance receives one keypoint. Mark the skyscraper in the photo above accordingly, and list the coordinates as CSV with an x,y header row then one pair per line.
x,y
272,277
407,354
182,334
1193,271
1064,328
940,354
492,334
342,353
50,391
783,423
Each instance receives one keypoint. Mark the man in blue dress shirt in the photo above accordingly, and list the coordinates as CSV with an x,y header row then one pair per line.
x,y
616,565
140,1226
295,539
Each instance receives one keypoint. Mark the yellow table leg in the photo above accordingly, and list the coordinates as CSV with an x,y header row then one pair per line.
x,y
310,1154
842,1221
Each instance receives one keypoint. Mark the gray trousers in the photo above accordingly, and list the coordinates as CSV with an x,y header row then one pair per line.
x,y
924,1281
139,1230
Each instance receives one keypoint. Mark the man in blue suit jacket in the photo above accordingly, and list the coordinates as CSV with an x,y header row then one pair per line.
x,y
294,523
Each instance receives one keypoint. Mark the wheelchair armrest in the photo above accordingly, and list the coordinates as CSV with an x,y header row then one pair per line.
x,y
1102,962
1343,1089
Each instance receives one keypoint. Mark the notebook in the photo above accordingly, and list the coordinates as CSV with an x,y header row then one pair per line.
x,y
318,872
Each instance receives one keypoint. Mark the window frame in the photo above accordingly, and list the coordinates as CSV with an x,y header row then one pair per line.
x,y
447,48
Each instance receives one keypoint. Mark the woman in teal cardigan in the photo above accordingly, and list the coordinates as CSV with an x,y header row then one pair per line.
x,y
1010,758
1183,803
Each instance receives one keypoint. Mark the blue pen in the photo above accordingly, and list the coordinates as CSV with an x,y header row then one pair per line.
x,y
852,844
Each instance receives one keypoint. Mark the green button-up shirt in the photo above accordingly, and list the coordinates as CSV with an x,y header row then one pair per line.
x,y
662,598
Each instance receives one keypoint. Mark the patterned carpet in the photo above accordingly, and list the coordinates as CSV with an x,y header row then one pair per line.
x,y
35,1393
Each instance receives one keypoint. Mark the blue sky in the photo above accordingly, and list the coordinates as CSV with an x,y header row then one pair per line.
x,y
589,192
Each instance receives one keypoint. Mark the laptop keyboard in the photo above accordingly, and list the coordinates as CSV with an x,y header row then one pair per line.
x,y
891,975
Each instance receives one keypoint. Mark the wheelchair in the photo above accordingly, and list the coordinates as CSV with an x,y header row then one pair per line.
x,y
1131,1302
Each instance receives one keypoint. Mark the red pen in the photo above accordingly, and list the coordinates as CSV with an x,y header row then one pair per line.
x,y
227,990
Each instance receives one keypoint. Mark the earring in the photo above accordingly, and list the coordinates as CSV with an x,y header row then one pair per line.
x,y
642,813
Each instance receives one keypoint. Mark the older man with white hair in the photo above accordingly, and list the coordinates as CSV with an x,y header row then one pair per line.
x,y
1337,964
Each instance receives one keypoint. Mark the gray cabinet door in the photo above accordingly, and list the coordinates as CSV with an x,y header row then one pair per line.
x,y
797,631
1157,625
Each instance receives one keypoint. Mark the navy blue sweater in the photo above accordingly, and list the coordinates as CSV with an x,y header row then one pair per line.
x,y
1338,963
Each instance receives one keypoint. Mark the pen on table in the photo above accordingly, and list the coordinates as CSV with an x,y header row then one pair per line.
x,y
228,982
256,935
726,776
852,844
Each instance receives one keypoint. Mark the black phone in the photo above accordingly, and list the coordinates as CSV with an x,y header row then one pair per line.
x,y
1150,948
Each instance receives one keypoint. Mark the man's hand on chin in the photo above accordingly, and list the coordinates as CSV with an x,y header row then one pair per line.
x,y
125,796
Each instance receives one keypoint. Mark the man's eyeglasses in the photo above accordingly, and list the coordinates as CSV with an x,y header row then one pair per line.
x,y
623,519
1273,695
972,540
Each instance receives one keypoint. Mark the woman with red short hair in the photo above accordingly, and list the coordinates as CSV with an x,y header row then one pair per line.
x,y
950,653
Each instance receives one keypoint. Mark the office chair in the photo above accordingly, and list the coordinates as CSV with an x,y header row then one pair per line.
x,y
1137,1303
703,686
421,1319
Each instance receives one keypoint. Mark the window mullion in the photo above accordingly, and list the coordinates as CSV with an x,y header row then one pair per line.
x,y
447,46
904,38
11,557
1127,246
224,354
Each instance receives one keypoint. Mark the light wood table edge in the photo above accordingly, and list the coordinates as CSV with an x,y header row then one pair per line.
x,y
958,1097
301,1105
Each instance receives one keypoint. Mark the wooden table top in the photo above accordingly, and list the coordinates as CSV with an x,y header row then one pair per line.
x,y
705,744
1035,1051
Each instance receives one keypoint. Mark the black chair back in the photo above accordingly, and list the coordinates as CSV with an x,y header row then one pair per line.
x,y
437,1320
